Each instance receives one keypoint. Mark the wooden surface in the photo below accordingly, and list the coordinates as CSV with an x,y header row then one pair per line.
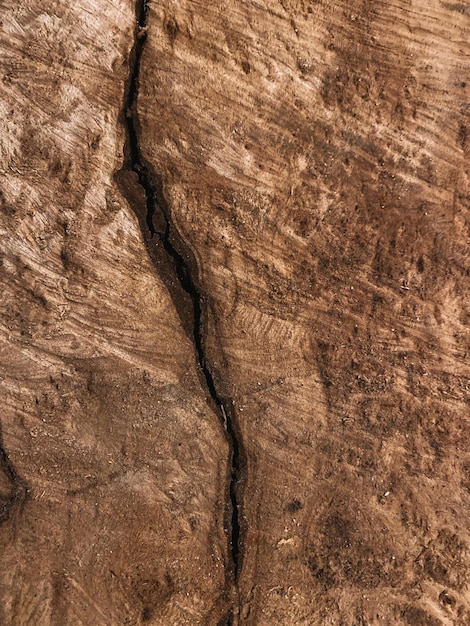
x,y
104,419
314,167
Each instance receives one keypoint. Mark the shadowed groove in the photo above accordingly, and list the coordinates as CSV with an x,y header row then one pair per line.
x,y
158,231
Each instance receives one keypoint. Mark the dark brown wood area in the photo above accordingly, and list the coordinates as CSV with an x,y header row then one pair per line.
x,y
235,304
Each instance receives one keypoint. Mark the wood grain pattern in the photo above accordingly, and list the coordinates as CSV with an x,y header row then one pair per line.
x,y
104,418
314,160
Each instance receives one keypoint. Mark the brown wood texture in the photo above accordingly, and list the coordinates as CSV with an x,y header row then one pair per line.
x,y
114,512
235,313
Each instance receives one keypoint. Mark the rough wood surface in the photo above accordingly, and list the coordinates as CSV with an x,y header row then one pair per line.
x,y
315,158
114,511
304,168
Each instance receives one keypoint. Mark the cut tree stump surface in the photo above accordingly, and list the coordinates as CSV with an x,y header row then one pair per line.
x,y
235,337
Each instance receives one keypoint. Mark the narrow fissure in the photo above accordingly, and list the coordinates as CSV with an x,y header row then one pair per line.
x,y
17,491
156,224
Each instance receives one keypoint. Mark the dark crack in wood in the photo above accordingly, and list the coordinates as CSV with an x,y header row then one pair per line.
x,y
143,188
13,490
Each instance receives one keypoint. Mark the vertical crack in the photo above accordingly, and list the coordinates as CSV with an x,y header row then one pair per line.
x,y
143,189
12,487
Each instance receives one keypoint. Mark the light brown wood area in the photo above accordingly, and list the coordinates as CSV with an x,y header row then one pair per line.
x,y
235,302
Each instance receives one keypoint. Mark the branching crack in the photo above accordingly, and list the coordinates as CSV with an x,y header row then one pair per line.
x,y
143,188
